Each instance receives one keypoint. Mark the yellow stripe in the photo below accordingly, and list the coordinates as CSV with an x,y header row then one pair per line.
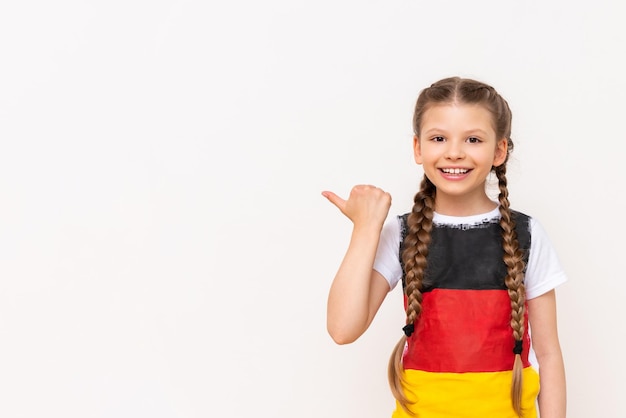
x,y
467,395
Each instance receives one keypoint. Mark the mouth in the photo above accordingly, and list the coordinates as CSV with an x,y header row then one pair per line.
x,y
455,171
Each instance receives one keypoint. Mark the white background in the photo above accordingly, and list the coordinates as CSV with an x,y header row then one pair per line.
x,y
164,247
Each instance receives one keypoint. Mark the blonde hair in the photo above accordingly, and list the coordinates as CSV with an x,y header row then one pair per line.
x,y
420,223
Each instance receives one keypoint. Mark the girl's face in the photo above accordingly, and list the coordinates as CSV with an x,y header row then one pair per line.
x,y
457,147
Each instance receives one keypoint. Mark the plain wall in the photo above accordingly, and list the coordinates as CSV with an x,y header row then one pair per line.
x,y
164,247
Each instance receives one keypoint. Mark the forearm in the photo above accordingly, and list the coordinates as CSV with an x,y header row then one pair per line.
x,y
349,297
552,395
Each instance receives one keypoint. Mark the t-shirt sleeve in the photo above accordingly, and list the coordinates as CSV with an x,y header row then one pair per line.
x,y
544,271
387,261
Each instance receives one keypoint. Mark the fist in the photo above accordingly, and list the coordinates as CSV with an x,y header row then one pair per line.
x,y
366,204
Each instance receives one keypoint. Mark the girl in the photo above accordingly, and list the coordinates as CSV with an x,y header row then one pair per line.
x,y
477,276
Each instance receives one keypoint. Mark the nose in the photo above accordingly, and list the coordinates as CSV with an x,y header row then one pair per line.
x,y
455,150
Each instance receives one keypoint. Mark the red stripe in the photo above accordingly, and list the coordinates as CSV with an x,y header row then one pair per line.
x,y
464,331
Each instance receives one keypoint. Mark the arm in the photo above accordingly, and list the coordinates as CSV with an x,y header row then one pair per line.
x,y
358,290
543,326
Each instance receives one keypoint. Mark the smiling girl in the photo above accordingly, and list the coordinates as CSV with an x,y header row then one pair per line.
x,y
477,276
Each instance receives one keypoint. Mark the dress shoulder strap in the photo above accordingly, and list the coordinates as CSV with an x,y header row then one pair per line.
x,y
403,231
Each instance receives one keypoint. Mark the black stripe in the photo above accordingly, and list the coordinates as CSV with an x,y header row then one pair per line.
x,y
468,256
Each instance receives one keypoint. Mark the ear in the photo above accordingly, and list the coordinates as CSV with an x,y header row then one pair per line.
x,y
502,148
417,150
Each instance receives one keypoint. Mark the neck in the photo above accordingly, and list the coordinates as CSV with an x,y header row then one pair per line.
x,y
451,206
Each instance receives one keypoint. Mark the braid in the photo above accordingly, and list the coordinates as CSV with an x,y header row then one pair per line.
x,y
513,258
419,222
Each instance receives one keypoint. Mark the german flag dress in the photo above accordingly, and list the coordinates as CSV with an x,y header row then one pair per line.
x,y
458,362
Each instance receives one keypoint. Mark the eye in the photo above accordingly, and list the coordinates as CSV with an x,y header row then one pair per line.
x,y
438,139
473,140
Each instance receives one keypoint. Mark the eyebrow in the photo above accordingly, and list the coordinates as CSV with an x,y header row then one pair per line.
x,y
477,131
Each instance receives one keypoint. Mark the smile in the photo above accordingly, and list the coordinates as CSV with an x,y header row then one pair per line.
x,y
454,170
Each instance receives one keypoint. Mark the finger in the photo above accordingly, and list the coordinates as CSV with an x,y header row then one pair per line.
x,y
335,200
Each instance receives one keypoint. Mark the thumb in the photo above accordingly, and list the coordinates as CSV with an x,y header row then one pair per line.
x,y
335,200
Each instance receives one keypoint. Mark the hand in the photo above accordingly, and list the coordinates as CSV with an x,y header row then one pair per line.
x,y
365,205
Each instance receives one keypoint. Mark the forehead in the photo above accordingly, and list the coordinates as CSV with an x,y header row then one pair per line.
x,y
457,117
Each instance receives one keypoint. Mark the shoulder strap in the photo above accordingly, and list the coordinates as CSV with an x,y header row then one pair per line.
x,y
522,228
403,231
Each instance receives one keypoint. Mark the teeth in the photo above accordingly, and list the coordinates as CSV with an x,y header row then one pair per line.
x,y
454,170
